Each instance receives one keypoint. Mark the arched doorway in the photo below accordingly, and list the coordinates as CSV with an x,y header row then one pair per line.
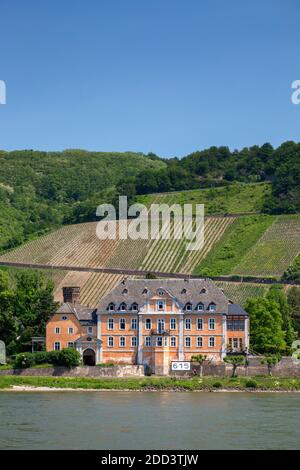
x,y
89,357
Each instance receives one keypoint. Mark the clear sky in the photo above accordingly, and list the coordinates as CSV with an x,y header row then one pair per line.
x,y
167,76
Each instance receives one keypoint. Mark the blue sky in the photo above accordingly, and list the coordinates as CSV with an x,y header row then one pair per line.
x,y
167,76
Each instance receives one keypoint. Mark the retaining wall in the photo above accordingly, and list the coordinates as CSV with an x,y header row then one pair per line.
x,y
85,371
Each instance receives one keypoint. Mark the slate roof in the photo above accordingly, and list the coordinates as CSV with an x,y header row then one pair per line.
x,y
82,313
184,291
236,309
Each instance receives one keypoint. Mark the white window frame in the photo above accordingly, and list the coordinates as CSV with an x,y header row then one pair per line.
x,y
188,307
64,317
133,340
200,307
110,324
133,322
199,320
134,307
173,339
121,338
161,309
185,342
57,330
111,307
209,341
150,323
70,330
212,307
70,343
110,339
123,307
173,324
214,324
121,321
199,340
160,321
54,346
89,330
188,321
147,340
159,338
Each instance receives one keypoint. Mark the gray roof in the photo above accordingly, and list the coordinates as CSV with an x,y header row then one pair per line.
x,y
184,291
81,312
236,309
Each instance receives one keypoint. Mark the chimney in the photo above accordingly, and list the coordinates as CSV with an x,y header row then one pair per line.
x,y
71,295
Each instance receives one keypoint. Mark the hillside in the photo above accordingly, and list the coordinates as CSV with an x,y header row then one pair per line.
x,y
41,190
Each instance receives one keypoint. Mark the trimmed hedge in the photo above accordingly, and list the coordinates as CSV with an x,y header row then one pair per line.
x,y
68,357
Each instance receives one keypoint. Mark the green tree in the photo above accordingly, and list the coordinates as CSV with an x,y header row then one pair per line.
x,y
271,360
294,303
8,322
235,361
199,358
266,333
277,294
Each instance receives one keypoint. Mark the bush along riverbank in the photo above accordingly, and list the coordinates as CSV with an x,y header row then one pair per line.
x,y
154,383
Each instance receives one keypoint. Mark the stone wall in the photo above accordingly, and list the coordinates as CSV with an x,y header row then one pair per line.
x,y
85,371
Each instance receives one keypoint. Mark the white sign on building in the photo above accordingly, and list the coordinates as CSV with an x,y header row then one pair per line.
x,y
180,365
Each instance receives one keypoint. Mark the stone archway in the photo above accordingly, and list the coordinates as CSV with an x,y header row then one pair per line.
x,y
89,357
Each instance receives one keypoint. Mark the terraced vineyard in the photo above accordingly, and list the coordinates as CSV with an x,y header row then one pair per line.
x,y
239,292
274,251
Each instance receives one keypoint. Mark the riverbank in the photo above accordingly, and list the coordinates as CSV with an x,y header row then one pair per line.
x,y
270,384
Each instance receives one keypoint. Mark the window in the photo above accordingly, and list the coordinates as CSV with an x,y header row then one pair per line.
x,y
188,307
160,325
133,341
236,324
90,330
200,307
187,323
110,341
159,341
166,341
187,341
199,342
148,324
160,305
133,323
211,324
122,341
64,317
173,341
122,324
173,324
134,307
147,341
240,343
70,330
230,343
235,343
212,307
70,344
56,346
145,291
123,307
161,292
110,324
199,324
203,291
111,307
125,291
183,291
211,342
57,330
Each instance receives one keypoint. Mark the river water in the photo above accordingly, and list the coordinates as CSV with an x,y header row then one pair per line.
x,y
149,420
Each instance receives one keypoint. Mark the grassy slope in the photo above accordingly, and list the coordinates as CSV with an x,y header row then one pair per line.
x,y
237,198
237,240
156,383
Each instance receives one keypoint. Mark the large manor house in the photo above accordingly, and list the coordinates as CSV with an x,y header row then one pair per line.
x,y
150,322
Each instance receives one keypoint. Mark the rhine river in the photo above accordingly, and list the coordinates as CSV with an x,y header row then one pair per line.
x,y
149,420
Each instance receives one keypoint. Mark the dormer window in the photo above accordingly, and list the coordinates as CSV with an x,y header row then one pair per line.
x,y
188,306
183,291
111,307
200,307
161,292
145,291
203,291
212,307
123,307
134,307
64,317
125,291
160,305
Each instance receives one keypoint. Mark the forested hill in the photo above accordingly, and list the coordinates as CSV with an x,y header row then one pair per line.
x,y
42,190
39,190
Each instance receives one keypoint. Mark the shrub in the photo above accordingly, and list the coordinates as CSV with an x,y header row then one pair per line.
x,y
41,357
251,383
217,385
24,360
68,357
